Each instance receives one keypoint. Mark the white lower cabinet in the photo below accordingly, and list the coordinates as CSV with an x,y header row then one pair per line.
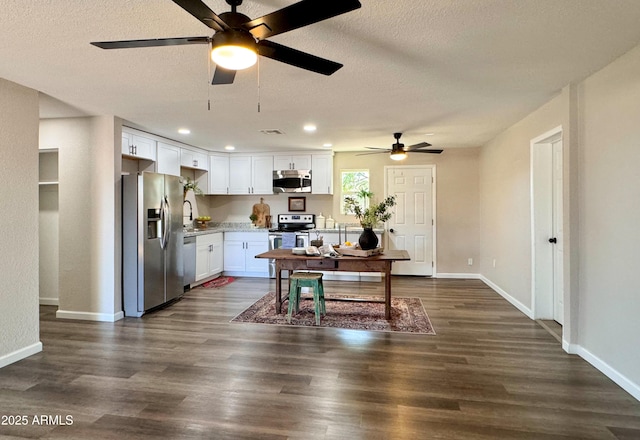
x,y
240,249
209,255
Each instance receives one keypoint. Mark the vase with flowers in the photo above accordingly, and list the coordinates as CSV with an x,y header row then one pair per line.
x,y
190,185
369,216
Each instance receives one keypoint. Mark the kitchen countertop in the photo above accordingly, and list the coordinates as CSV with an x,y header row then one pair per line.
x,y
223,227
247,227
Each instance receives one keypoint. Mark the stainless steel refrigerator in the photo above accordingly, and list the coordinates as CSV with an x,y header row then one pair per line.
x,y
152,241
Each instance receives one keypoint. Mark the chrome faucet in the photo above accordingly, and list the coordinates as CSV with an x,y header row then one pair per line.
x,y
190,209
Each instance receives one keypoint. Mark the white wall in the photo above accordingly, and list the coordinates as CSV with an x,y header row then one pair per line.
x,y
505,202
609,201
89,214
19,326
601,137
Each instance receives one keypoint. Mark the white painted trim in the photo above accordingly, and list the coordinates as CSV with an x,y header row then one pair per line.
x,y
49,301
569,348
89,316
18,355
517,304
467,276
624,383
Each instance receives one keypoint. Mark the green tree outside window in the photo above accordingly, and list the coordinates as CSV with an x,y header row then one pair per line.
x,y
353,182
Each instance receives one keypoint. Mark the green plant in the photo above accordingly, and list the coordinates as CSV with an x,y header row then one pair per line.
x,y
375,213
188,184
253,218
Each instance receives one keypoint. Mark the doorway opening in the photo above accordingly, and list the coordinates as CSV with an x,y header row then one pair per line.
x,y
547,244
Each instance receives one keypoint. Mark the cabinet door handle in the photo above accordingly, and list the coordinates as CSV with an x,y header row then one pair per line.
x,y
195,163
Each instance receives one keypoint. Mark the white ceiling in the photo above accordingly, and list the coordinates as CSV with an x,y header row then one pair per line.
x,y
463,70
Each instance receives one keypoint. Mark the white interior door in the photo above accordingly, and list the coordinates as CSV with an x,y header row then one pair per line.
x,y
547,232
411,226
558,246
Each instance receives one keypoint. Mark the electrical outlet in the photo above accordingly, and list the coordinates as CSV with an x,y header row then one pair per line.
x,y
494,262
470,261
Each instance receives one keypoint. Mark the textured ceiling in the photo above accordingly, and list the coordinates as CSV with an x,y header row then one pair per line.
x,y
463,70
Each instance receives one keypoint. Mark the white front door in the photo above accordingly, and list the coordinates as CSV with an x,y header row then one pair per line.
x,y
411,226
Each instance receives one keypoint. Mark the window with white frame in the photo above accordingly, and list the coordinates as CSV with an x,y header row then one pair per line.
x,y
352,182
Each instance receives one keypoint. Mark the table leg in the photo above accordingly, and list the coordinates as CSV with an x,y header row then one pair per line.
x,y
387,291
278,288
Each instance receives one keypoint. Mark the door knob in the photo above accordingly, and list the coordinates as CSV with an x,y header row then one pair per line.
x,y
391,230
553,240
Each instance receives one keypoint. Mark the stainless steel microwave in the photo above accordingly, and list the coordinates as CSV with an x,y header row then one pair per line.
x,y
292,181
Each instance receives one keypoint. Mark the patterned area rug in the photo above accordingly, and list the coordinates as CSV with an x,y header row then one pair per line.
x,y
218,282
407,314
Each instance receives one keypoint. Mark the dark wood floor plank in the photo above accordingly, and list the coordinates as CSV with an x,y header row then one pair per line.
x,y
187,372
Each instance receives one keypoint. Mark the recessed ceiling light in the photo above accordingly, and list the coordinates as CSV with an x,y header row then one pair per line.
x,y
310,128
327,145
429,134
229,147
184,131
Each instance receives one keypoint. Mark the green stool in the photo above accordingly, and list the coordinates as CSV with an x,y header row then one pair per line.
x,y
297,280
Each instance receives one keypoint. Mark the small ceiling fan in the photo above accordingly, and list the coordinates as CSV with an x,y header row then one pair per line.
x,y
399,151
238,40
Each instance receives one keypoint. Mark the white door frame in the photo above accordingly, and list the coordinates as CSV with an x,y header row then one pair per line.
x,y
541,221
432,167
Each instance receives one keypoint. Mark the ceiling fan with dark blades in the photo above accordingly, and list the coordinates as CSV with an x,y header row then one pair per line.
x,y
238,40
399,151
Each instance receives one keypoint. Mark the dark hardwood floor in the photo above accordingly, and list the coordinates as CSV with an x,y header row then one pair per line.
x,y
186,372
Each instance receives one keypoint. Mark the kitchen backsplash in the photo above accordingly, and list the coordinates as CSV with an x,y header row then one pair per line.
x,y
239,208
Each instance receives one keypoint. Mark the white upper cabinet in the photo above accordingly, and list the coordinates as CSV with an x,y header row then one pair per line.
x,y
138,147
218,174
262,175
193,159
322,174
168,159
291,162
251,174
240,169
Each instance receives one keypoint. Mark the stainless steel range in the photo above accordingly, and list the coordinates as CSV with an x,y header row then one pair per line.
x,y
292,231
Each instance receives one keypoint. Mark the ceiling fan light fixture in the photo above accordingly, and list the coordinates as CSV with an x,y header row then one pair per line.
x,y
398,155
234,50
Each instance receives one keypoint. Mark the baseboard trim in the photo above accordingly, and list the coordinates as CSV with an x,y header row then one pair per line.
x,y
49,301
517,304
18,355
569,348
467,276
609,371
88,316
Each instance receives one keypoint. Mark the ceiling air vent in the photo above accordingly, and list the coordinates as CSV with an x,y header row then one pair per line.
x,y
271,131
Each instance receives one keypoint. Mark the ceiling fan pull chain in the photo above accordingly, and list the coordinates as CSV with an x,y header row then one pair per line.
x,y
258,84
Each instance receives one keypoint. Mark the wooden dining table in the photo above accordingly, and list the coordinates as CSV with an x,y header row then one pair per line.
x,y
286,260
